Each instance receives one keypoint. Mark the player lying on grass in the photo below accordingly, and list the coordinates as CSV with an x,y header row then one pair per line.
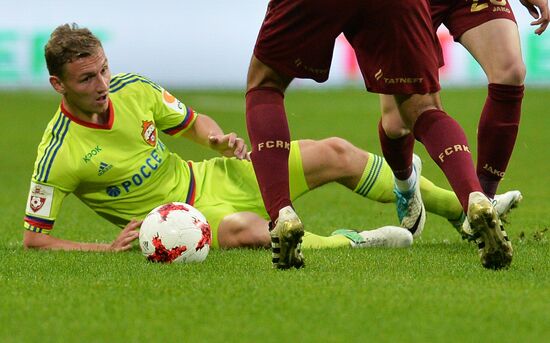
x,y
102,145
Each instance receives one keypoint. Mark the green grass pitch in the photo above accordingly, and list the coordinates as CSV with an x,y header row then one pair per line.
x,y
434,291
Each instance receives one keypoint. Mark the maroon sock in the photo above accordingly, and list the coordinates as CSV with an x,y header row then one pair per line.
x,y
270,142
397,152
446,143
496,134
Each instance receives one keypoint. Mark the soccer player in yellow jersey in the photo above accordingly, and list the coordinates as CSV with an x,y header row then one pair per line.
x,y
102,145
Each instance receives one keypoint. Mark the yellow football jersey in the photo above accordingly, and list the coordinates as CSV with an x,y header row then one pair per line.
x,y
121,170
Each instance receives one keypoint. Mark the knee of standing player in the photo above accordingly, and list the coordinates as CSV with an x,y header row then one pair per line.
x,y
393,125
511,73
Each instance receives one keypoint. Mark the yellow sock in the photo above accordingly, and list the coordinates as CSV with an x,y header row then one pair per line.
x,y
377,180
313,241
439,201
377,184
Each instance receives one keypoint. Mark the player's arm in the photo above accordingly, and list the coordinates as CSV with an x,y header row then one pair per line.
x,y
175,118
207,132
123,242
538,10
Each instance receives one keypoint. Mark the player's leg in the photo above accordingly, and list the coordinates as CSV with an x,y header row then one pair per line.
x,y
391,126
435,199
415,85
367,174
243,230
269,134
417,96
249,230
243,223
385,71
337,160
296,40
444,140
397,144
446,143
234,208
499,121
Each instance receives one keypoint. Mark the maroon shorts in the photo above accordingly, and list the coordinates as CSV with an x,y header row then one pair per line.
x,y
461,15
394,41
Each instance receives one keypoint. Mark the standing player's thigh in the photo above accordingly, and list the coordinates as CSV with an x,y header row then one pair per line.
x,y
297,36
497,48
488,30
396,47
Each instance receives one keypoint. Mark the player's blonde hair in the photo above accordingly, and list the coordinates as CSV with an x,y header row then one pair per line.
x,y
67,43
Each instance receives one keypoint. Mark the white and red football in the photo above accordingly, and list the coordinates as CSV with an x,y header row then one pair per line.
x,y
175,232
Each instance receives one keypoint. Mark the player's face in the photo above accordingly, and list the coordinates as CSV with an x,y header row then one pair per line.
x,y
86,84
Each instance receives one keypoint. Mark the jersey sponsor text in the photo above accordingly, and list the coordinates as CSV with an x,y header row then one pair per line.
x,y
149,166
402,80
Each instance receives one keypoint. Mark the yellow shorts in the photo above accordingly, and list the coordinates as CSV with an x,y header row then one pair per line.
x,y
228,185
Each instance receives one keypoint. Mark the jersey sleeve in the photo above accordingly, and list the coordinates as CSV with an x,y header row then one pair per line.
x,y
52,179
171,115
43,205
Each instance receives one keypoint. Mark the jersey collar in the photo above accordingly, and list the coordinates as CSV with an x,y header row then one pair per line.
x,y
107,126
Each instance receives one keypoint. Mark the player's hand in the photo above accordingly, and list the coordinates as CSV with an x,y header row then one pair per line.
x,y
538,10
129,234
229,145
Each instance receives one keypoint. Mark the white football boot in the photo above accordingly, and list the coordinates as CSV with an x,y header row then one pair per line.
x,y
386,236
503,203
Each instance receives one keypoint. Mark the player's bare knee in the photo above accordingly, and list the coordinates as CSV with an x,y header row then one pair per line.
x,y
337,146
512,73
341,152
412,106
243,230
250,236
394,127
255,239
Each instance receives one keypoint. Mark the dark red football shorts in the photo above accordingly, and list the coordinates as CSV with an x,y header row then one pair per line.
x,y
460,16
394,41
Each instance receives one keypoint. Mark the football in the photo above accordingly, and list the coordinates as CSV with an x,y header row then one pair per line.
x,y
175,232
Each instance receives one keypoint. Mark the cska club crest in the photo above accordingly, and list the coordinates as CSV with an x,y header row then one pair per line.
x,y
37,199
149,132
36,203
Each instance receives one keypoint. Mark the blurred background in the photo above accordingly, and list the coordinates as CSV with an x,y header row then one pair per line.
x,y
200,44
